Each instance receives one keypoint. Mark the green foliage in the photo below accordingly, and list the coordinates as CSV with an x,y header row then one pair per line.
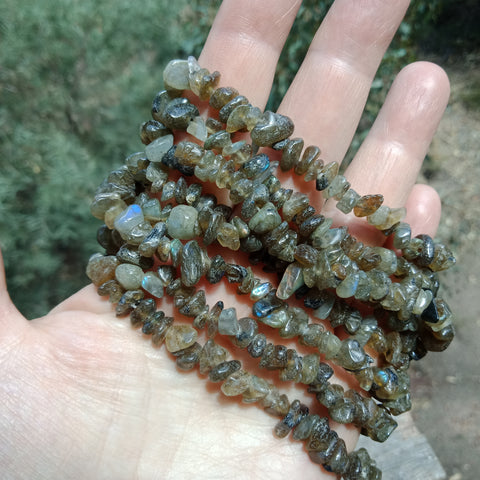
x,y
76,81
446,27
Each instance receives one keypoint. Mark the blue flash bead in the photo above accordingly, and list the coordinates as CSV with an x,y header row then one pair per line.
x,y
256,165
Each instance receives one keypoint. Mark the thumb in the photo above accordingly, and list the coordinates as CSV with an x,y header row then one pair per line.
x,y
10,318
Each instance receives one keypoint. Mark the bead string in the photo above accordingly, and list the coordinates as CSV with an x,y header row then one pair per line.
x,y
325,267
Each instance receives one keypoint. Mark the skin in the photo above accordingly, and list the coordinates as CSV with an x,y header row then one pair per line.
x,y
84,395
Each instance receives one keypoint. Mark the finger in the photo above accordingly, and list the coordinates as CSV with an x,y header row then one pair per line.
x,y
423,210
391,156
328,95
85,300
245,42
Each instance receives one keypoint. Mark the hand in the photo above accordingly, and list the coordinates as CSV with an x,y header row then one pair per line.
x,y
85,396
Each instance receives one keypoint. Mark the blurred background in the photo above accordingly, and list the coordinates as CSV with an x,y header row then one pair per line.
x,y
76,81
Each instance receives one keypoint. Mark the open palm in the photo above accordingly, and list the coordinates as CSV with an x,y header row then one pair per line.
x,y
84,395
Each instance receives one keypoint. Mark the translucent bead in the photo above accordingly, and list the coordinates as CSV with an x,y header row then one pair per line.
x,y
128,219
158,148
272,128
181,223
175,75
291,281
129,276
152,284
179,337
228,323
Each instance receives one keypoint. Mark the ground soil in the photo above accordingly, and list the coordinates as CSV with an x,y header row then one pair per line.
x,y
446,387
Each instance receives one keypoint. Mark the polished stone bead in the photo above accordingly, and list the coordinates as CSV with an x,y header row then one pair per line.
x,y
194,305
261,291
326,175
380,284
312,335
152,284
310,155
295,204
189,154
277,319
152,211
385,217
203,83
212,319
351,355
291,154
151,130
388,260
131,217
138,233
129,276
426,251
337,188
291,281
101,268
216,270
296,413
218,141
266,305
257,345
158,148
248,328
305,255
175,75
150,243
160,330
178,113
229,107
272,128
257,390
367,205
213,125
149,324
211,355
198,129
181,223
103,202
256,165
128,302
295,324
227,236
111,288
143,311
275,403
194,191
221,371
293,368
228,323
236,384
243,117
188,358
265,220
443,258
348,201
221,96
305,427
192,267
179,337
348,287
343,411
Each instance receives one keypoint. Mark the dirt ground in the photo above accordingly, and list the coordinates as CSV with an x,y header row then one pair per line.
x,y
446,387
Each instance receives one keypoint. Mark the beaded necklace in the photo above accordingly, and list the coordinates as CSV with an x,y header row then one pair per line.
x,y
158,225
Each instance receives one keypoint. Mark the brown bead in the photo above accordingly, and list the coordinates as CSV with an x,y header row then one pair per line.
x,y
367,205
179,337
